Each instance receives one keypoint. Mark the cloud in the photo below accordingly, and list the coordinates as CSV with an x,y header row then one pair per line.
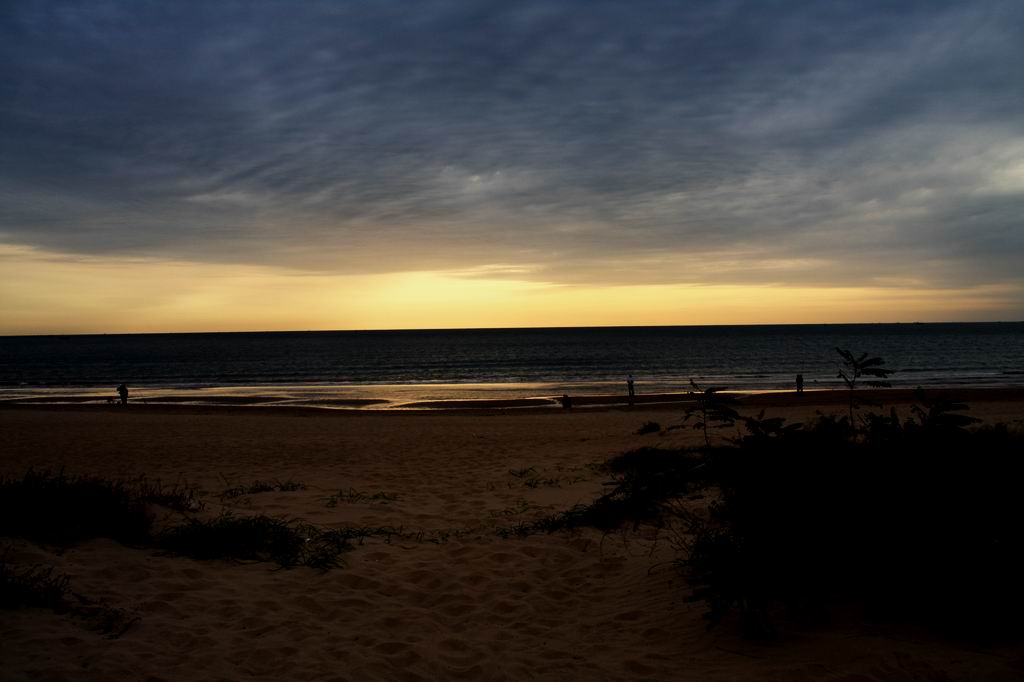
x,y
577,142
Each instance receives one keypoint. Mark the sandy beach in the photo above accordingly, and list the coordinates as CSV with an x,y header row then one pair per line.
x,y
427,341
447,599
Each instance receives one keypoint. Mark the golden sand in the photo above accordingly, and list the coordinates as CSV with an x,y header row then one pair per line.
x,y
457,601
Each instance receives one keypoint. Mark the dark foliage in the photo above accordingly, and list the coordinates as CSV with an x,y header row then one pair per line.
x,y
710,410
648,427
263,487
355,496
40,586
35,586
913,518
58,509
178,497
98,616
257,538
918,519
287,543
643,480
855,368
939,416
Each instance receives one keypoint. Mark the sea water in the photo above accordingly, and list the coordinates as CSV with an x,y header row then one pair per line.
x,y
496,363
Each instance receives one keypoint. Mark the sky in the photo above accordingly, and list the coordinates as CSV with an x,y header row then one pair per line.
x,y
258,165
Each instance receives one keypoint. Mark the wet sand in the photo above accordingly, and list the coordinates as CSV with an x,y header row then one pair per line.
x,y
452,599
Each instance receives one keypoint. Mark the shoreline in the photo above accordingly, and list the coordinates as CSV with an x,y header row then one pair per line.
x,y
533,405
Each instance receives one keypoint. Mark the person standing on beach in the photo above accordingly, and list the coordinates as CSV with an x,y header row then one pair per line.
x,y
631,388
122,391
799,383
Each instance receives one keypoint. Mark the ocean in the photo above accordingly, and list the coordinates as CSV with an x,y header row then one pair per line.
x,y
403,366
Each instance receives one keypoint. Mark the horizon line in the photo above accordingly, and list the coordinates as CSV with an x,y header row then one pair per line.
x,y
540,328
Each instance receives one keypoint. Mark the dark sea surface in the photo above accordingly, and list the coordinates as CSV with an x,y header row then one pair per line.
x,y
512,362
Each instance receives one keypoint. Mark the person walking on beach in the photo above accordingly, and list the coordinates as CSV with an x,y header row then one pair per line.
x,y
799,383
566,401
122,391
631,388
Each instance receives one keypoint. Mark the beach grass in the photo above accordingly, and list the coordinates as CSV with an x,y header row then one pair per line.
x,y
61,509
262,538
258,486
43,587
32,586
285,542
353,496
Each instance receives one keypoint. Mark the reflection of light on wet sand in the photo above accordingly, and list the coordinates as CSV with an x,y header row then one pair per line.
x,y
431,396
354,396
394,397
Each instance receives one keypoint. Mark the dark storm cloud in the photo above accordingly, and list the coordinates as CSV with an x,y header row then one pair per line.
x,y
590,141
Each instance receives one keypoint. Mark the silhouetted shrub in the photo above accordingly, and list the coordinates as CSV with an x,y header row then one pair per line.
x,y
648,427
856,368
914,518
917,519
644,479
287,543
256,538
711,409
60,509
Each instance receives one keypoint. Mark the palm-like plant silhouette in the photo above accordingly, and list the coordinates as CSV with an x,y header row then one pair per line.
x,y
854,369
711,410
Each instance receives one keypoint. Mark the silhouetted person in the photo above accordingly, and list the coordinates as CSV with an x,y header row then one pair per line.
x,y
566,401
122,391
799,383
631,388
